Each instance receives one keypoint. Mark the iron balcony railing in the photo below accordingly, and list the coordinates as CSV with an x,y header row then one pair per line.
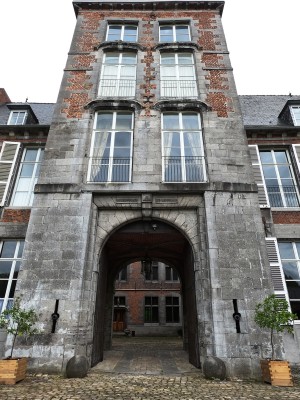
x,y
110,169
178,88
117,87
184,169
283,196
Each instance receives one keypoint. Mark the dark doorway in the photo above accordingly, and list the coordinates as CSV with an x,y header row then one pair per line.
x,y
151,240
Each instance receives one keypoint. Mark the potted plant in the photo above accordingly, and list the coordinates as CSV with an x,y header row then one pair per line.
x,y
17,322
274,314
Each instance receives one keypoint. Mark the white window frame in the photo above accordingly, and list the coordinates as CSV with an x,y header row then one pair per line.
x,y
181,131
297,260
174,26
17,112
113,131
279,179
115,88
179,90
295,120
123,27
33,180
11,278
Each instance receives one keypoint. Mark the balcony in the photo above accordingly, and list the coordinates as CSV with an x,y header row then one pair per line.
x,y
184,169
110,169
283,196
117,88
178,88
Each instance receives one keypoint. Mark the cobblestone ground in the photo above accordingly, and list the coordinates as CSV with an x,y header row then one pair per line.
x,y
142,387
153,372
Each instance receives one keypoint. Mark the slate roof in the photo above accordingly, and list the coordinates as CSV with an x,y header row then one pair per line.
x,y
43,112
263,110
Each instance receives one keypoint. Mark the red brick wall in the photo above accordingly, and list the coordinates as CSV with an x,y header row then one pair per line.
x,y
206,24
16,215
286,217
135,297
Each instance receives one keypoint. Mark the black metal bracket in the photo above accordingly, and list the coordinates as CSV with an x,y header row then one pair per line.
x,y
55,316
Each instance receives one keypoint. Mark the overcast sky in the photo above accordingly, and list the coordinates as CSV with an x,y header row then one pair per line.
x,y
35,36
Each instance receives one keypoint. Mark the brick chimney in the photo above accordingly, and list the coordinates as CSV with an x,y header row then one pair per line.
x,y
4,96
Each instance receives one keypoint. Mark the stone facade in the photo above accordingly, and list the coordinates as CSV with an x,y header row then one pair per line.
x,y
81,229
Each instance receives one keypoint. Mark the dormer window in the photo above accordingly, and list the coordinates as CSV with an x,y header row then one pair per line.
x,y
17,117
126,33
174,33
295,111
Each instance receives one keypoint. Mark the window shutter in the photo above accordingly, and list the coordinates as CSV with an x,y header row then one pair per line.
x,y
258,176
296,154
8,157
277,275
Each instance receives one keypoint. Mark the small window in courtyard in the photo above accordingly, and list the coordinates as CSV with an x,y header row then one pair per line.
x,y
17,118
172,310
151,310
296,115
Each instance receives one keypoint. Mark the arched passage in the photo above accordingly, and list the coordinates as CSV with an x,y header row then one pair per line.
x,y
159,241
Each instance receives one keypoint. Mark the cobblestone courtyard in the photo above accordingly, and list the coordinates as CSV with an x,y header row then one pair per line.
x,y
146,378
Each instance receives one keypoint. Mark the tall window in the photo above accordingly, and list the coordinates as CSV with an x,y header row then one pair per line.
x,y
290,258
122,276
118,75
127,33
171,274
183,157
17,118
296,114
279,178
174,33
151,310
152,273
27,177
178,75
172,309
111,149
10,261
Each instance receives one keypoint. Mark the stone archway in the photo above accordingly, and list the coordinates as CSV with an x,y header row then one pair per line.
x,y
133,241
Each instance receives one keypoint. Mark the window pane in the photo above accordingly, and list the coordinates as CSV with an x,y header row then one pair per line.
x,y
104,121
170,121
8,249
30,154
182,33
284,171
290,270
286,251
122,139
154,300
281,157
130,33
185,58
17,269
295,306
166,33
112,58
5,268
293,289
269,172
167,58
190,121
124,120
155,314
27,170
114,32
12,288
266,157
128,58
3,286
147,300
